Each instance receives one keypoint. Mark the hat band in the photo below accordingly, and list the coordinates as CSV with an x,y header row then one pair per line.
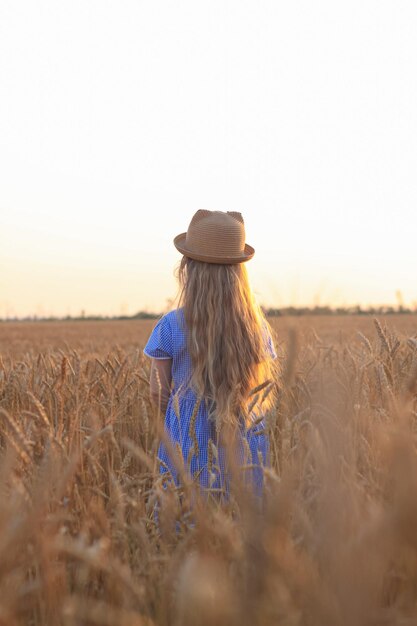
x,y
211,257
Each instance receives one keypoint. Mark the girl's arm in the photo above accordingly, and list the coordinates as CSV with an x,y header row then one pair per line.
x,y
160,383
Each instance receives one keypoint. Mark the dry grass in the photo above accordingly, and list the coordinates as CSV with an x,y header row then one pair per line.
x,y
336,541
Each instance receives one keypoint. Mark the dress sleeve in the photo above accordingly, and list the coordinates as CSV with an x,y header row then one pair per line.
x,y
271,347
270,343
159,344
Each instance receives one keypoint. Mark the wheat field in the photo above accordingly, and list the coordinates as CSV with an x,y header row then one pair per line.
x,y
335,542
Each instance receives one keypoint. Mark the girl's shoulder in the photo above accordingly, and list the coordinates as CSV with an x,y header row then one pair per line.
x,y
174,318
166,337
174,323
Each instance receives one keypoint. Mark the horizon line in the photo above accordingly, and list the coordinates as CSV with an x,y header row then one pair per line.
x,y
355,309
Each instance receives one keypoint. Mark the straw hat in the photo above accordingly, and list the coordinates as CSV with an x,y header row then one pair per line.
x,y
215,237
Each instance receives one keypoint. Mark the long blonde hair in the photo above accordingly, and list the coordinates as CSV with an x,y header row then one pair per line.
x,y
227,336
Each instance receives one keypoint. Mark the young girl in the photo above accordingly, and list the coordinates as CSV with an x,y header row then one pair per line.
x,y
212,367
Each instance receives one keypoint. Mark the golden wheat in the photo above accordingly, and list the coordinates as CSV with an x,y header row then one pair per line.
x,y
333,543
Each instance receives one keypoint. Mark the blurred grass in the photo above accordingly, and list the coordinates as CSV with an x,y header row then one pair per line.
x,y
335,542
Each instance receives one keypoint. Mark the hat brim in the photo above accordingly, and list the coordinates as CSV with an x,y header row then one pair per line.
x,y
179,243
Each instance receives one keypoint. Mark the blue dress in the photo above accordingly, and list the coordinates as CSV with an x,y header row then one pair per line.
x,y
187,423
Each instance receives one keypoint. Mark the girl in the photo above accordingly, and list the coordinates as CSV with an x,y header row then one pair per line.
x,y
211,369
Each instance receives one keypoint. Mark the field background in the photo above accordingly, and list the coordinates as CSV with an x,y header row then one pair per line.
x,y
91,337
334,544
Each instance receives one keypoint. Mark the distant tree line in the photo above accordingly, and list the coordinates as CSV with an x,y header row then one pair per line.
x,y
270,312
141,315
351,310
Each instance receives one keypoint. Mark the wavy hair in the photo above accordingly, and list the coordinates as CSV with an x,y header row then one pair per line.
x,y
227,337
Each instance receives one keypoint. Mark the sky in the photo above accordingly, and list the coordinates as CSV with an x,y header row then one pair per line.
x,y
118,120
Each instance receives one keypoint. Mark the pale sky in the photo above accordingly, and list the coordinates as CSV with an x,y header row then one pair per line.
x,y
119,119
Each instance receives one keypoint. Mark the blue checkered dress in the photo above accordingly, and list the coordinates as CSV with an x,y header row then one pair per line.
x,y
196,436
